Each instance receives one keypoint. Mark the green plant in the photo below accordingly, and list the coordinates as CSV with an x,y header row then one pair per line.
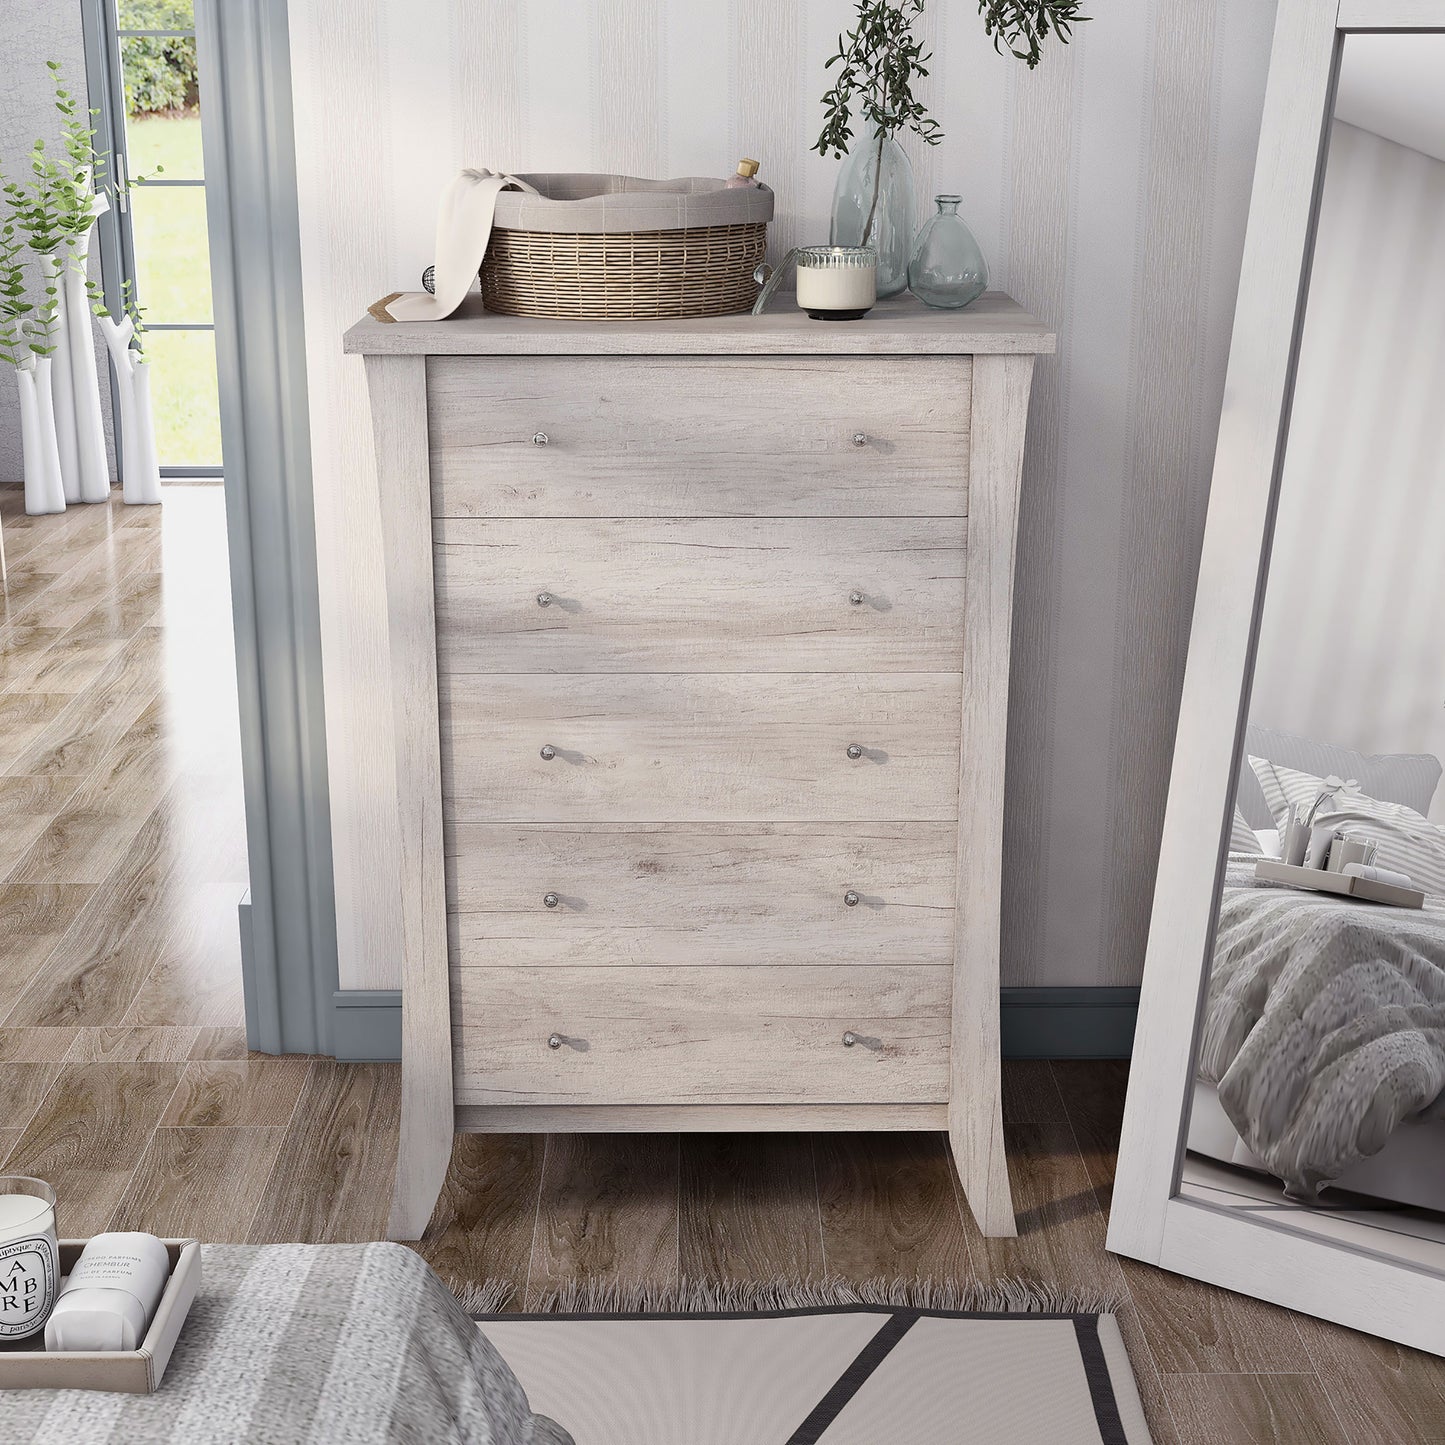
x,y
880,58
160,70
137,318
14,308
1021,26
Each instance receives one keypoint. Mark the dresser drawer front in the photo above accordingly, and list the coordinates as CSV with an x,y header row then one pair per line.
x,y
676,895
681,437
716,1035
700,747
784,594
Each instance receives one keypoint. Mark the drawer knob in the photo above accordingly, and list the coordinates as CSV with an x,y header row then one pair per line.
x,y
854,751
545,599
550,900
554,1041
548,752
540,439
849,1039
850,899
860,438
855,598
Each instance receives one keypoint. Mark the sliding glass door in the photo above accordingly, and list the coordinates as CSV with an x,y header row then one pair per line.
x,y
143,81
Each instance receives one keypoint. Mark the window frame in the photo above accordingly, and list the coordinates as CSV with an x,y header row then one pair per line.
x,y
105,79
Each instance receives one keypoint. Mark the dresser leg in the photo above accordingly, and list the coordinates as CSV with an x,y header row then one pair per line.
x,y
423,1153
975,1134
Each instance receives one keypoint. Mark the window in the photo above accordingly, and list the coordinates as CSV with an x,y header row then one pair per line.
x,y
143,80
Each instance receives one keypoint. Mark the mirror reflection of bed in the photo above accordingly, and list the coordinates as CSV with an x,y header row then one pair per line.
x,y
1319,1100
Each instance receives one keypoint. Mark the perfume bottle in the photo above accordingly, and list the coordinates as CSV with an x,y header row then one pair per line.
x,y
747,170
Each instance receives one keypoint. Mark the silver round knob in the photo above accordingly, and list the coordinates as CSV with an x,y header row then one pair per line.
x,y
550,900
849,1039
540,439
548,752
850,899
545,599
855,598
555,1041
854,751
860,439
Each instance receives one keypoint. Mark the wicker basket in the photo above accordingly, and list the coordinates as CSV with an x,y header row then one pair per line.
x,y
616,247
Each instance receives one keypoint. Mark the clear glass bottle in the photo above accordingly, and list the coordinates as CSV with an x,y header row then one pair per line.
x,y
747,173
948,269
885,171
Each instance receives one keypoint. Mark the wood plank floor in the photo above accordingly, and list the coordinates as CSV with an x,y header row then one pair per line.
x,y
124,1077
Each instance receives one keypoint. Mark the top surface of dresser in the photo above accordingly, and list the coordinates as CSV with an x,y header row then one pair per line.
x,y
900,325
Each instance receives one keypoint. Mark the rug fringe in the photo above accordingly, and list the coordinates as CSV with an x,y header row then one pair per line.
x,y
704,1297
490,1297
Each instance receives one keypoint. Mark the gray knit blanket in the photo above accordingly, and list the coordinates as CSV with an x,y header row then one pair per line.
x,y
293,1343
1325,1025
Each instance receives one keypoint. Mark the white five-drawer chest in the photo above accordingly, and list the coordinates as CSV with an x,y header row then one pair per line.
x,y
699,678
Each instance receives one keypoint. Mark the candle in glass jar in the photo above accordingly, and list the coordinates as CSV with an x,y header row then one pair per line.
x,y
28,1256
837,283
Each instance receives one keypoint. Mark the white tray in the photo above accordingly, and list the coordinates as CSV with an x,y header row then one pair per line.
x,y
130,1372
1318,880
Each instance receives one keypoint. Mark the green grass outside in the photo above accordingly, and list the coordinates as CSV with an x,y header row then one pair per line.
x,y
173,285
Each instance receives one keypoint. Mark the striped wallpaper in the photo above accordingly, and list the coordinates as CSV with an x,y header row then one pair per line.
x,y
1108,189
1351,648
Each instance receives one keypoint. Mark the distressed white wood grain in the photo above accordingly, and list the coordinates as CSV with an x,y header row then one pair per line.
x,y
695,1118
683,436
721,747
398,410
899,326
704,1035
735,595
674,894
1000,404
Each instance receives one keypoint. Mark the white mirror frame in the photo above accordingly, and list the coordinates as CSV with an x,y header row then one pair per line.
x,y
1149,1220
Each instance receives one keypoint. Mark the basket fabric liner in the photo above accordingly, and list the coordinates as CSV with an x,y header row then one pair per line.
x,y
478,201
609,204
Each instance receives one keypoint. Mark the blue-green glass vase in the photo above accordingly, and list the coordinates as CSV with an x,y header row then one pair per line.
x,y
947,269
891,232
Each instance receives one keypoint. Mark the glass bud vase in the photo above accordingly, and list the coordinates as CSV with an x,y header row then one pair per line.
x,y
947,269
884,169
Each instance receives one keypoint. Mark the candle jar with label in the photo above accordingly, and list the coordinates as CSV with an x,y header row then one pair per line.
x,y
29,1258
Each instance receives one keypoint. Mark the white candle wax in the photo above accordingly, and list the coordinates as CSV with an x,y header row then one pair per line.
x,y
18,1213
837,288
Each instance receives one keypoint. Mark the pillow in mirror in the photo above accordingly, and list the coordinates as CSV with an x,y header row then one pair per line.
x,y
1242,838
1408,842
1409,778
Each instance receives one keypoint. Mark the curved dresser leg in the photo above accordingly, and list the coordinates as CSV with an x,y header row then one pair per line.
x,y
423,1153
397,387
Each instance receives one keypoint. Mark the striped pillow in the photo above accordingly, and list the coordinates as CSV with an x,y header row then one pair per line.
x,y
1408,842
1409,778
1242,838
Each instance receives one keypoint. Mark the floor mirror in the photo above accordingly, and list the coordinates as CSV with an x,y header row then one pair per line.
x,y
1285,1129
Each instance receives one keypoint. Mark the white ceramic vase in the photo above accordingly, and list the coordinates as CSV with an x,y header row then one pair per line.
x,y
61,384
142,484
44,492
94,474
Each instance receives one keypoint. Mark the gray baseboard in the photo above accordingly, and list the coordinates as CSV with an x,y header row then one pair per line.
x,y
366,1024
1069,1023
1038,1023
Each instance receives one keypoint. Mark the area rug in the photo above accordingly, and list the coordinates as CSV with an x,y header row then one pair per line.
x,y
825,1365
